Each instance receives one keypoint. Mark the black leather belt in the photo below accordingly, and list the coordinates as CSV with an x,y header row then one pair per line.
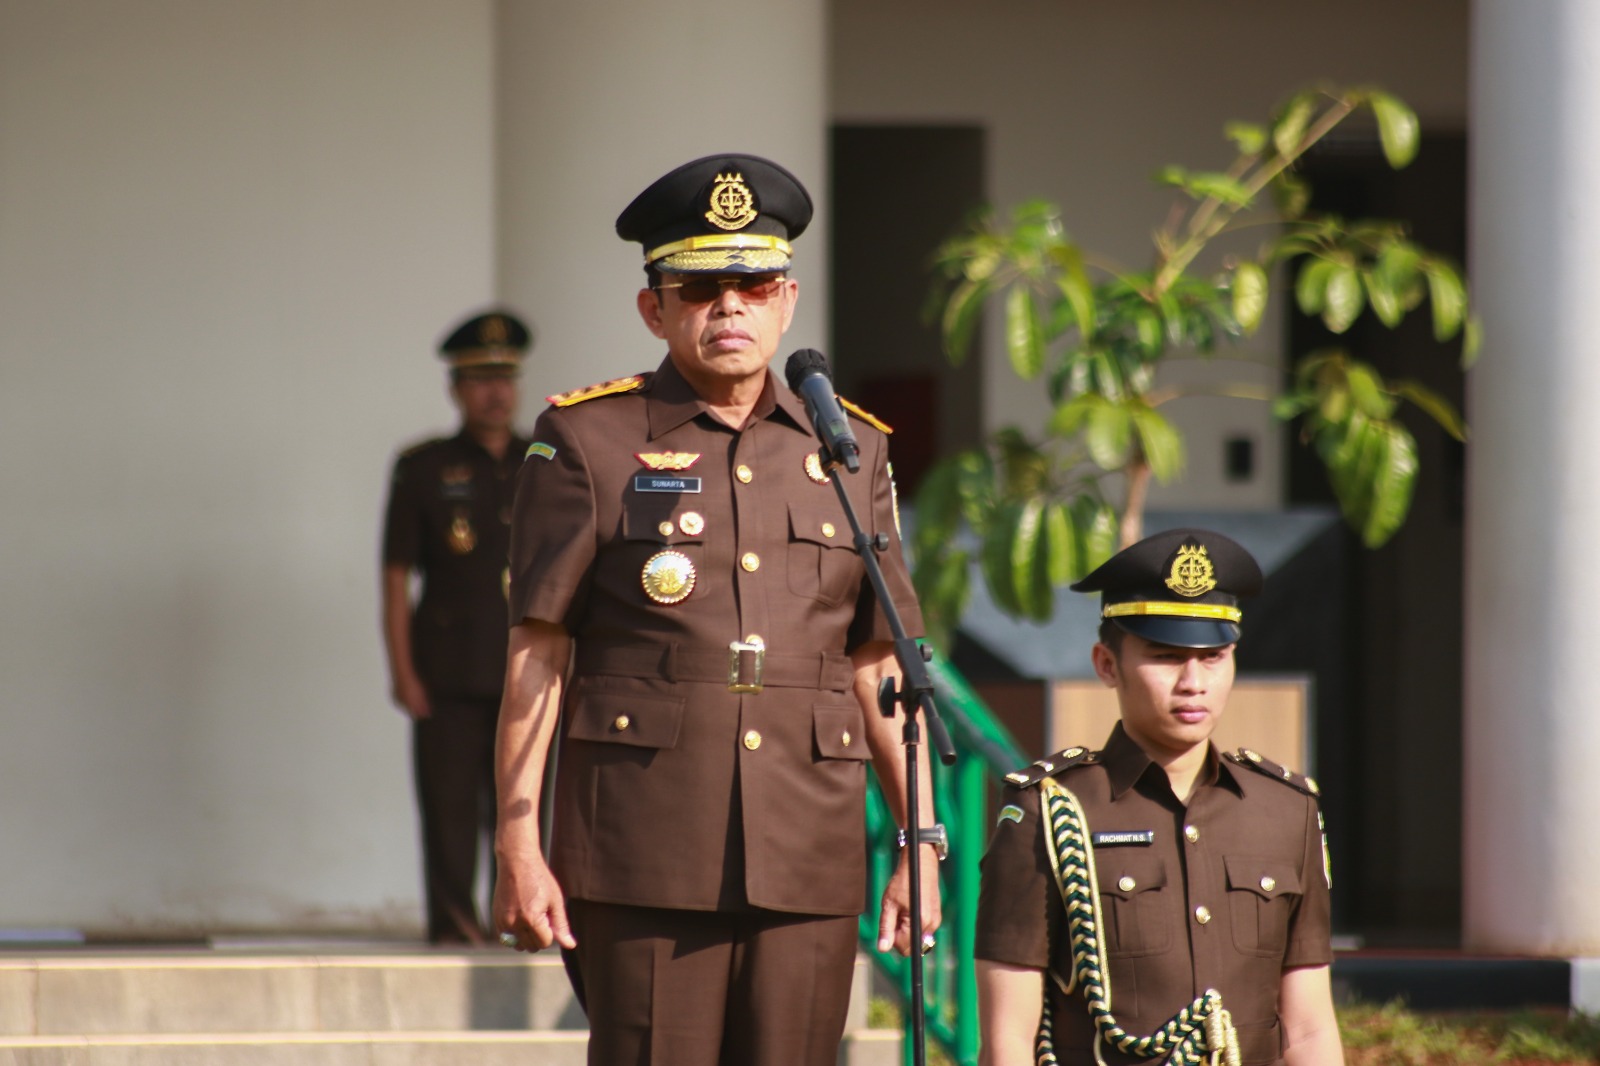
x,y
743,666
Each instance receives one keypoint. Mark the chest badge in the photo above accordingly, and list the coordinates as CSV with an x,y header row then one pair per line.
x,y
691,523
814,469
463,538
1192,574
667,460
456,482
668,577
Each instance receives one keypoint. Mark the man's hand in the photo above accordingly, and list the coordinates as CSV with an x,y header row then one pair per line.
x,y
411,696
529,904
894,920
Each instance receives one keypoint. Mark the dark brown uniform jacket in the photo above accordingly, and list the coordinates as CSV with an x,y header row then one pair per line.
x,y
449,517
671,790
1247,849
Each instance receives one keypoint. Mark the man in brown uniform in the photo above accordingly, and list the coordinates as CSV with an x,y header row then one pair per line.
x,y
675,535
448,520
1198,881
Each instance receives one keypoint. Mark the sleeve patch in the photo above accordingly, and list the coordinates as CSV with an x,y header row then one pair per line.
x,y
1010,813
541,449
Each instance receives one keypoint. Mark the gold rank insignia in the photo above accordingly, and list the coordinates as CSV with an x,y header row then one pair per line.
x,y
733,205
814,469
668,460
590,392
462,536
691,523
866,416
1192,574
456,476
668,577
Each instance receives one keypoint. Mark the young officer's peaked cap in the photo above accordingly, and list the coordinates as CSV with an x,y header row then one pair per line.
x,y
491,343
1181,587
723,214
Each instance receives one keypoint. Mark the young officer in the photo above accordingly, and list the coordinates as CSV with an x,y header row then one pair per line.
x,y
1159,900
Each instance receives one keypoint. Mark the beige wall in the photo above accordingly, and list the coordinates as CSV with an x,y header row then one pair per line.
x,y
1084,101
229,235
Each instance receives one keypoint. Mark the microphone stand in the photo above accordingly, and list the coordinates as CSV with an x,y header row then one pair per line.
x,y
914,693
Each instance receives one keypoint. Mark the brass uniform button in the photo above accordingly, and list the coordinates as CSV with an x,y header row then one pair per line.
x,y
752,740
1191,834
845,740
1127,884
827,529
1202,915
1268,884
621,723
665,529
750,561
743,473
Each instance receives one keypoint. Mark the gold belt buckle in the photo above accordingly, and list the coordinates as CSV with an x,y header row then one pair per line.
x,y
736,650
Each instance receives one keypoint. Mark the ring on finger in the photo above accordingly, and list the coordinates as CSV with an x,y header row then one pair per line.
x,y
928,942
508,939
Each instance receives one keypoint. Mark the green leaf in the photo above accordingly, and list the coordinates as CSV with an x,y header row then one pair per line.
x,y
1096,523
1448,296
1397,129
1160,440
1108,435
1291,194
1367,392
1311,287
962,311
1384,300
1249,295
1292,405
1249,137
1069,417
1344,298
1471,341
994,559
1075,286
1290,127
1148,331
1023,343
943,589
1061,539
1209,184
1170,175
1396,266
1393,476
1435,406
1029,574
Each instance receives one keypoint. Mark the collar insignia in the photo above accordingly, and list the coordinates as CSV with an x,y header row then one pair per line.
x,y
1192,574
733,205
667,460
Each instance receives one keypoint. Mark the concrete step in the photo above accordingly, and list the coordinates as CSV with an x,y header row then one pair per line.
x,y
245,1008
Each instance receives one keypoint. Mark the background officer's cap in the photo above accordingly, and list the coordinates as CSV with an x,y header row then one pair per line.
x,y
724,214
487,344
1180,588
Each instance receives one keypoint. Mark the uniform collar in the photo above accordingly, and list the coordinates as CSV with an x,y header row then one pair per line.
x,y
1126,763
673,401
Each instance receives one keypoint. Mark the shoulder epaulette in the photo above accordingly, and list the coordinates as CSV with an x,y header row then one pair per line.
x,y
590,392
866,416
421,446
1263,765
1029,776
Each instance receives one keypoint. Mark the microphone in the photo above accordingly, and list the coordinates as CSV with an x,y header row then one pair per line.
x,y
811,379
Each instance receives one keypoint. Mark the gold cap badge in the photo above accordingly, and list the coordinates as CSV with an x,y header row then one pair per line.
x,y
1192,574
733,205
668,577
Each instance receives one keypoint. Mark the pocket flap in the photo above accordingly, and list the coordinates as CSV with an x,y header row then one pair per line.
x,y
839,732
1264,875
819,525
1126,873
648,516
635,719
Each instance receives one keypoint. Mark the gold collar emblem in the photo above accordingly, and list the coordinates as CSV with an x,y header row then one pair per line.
x,y
1192,574
668,460
733,205
814,468
668,577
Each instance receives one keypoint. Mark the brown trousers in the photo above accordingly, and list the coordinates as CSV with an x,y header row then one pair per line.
x,y
696,988
452,756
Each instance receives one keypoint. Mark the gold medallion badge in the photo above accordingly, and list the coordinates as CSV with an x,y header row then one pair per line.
x,y
1192,574
462,536
691,523
667,460
814,468
733,205
668,577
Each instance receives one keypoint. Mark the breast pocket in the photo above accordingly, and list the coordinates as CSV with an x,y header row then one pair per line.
x,y
1134,902
661,519
823,565
1262,893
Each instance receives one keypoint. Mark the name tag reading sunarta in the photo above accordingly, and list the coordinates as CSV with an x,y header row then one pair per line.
x,y
1135,837
664,483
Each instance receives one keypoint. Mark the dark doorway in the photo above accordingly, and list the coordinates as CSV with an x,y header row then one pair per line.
x,y
896,193
1393,749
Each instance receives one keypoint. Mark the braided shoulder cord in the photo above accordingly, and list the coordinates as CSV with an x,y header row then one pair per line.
x,y
1199,1031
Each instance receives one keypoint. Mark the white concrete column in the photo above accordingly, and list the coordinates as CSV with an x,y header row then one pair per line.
x,y
596,101
1532,730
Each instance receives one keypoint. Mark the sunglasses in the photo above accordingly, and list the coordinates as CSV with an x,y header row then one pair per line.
x,y
756,288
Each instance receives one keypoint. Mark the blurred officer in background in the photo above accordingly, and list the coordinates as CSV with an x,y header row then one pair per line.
x,y
448,523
